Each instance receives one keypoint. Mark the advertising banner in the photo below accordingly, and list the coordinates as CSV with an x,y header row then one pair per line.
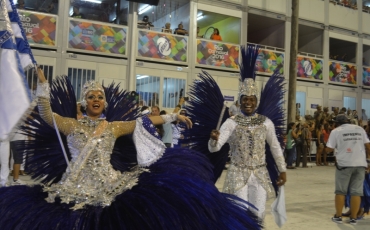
x,y
89,36
344,73
162,46
366,76
268,61
309,68
40,29
213,53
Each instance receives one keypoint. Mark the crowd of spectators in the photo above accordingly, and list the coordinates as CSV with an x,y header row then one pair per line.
x,y
347,3
308,135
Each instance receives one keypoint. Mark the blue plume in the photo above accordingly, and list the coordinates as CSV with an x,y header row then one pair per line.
x,y
176,193
204,108
44,156
247,66
121,106
271,106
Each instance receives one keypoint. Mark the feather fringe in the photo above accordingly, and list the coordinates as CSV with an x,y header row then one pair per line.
x,y
204,109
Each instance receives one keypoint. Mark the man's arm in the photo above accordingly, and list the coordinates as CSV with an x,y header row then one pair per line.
x,y
219,138
178,106
276,151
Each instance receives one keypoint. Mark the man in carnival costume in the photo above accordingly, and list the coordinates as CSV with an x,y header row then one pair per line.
x,y
256,168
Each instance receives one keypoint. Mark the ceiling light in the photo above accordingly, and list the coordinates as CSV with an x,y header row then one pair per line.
x,y
93,1
200,17
145,8
141,77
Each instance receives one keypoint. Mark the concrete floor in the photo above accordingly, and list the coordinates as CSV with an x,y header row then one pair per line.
x,y
309,200
309,197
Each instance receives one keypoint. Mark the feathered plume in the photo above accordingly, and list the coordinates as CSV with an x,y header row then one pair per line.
x,y
271,106
248,61
204,109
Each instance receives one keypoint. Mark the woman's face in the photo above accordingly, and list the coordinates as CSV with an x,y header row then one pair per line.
x,y
95,103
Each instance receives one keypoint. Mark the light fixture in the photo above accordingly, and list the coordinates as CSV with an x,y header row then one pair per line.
x,y
200,16
93,1
145,8
142,76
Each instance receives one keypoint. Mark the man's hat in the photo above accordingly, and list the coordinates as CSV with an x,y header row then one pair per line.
x,y
341,119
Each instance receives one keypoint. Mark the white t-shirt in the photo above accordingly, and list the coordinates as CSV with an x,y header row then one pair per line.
x,y
349,141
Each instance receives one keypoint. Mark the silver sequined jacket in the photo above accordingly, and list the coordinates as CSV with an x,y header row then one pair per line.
x,y
247,136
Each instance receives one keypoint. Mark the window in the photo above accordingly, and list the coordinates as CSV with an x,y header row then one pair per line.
x,y
78,78
173,89
148,89
114,11
47,6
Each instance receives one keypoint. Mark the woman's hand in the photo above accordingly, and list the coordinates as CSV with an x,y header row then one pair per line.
x,y
186,120
41,75
215,134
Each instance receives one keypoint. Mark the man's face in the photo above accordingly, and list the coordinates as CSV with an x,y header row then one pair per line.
x,y
248,104
155,111
319,108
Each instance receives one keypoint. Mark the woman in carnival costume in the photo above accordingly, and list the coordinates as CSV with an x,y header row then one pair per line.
x,y
95,189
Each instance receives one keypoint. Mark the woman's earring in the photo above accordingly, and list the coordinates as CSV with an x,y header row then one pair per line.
x,y
83,104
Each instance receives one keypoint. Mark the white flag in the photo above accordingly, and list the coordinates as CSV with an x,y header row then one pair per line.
x,y
14,49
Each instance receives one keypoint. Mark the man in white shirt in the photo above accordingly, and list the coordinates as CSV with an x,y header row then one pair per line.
x,y
352,145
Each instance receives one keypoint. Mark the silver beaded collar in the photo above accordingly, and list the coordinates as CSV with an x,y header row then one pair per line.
x,y
254,120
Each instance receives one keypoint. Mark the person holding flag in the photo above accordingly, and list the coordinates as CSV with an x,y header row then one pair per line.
x,y
15,58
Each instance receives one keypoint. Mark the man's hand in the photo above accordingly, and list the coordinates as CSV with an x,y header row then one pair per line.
x,y
282,179
215,134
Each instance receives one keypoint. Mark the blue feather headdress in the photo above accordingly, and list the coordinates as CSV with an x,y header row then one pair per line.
x,y
247,84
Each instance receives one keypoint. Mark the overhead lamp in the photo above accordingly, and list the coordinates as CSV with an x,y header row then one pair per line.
x,y
93,1
142,76
200,16
144,9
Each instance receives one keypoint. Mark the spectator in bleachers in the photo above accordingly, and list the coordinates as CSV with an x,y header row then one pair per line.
x,y
145,23
167,28
76,13
216,35
180,30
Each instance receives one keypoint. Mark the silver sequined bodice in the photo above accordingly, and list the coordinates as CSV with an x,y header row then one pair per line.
x,y
247,136
91,178
247,143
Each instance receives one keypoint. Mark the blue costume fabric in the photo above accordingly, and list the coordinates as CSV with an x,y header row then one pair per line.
x,y
175,192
